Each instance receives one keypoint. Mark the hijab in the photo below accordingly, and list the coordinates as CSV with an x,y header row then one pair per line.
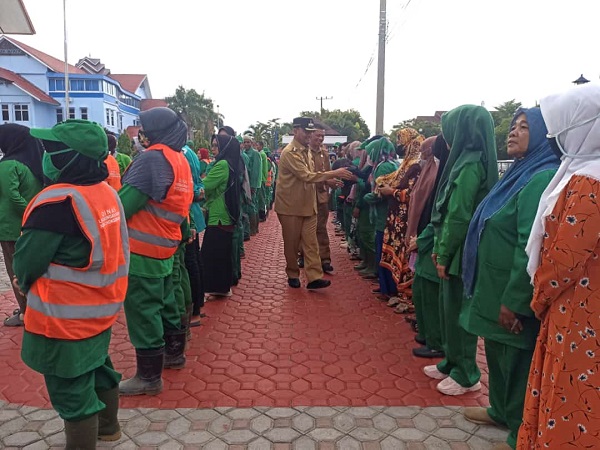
x,y
18,145
411,140
163,126
539,157
203,153
83,171
469,131
423,187
573,117
229,150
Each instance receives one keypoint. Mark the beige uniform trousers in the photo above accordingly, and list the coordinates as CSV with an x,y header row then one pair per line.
x,y
322,236
301,232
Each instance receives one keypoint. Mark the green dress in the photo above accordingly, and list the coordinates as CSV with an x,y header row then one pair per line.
x,y
502,279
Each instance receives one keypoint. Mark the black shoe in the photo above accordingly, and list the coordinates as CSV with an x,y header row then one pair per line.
x,y
419,340
301,262
424,352
327,268
294,282
318,284
246,238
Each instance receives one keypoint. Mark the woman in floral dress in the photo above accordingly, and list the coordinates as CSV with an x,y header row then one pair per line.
x,y
562,404
398,187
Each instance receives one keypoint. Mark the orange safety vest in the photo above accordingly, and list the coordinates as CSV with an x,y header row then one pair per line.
x,y
114,172
78,303
269,181
154,231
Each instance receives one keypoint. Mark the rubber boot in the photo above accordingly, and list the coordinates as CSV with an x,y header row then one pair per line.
x,y
148,379
108,422
253,224
362,265
175,349
368,260
82,434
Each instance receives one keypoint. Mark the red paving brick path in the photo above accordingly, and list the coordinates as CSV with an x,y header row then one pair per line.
x,y
270,345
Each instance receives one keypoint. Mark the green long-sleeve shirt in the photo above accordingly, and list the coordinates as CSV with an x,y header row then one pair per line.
x,y
378,203
467,192
254,168
215,184
502,277
18,186
264,166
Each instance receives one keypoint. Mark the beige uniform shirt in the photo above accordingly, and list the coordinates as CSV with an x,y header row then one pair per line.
x,y
295,194
322,164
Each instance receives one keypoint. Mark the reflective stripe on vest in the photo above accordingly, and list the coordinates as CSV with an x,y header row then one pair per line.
x,y
164,214
153,239
72,311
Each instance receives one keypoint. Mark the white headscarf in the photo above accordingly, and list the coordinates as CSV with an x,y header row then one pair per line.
x,y
574,117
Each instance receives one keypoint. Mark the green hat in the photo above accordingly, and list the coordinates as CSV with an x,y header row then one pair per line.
x,y
83,136
337,144
239,138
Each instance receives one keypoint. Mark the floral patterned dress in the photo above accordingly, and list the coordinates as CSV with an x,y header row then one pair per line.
x,y
394,255
562,404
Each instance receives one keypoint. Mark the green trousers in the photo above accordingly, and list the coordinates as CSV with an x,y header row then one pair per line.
x,y
460,347
181,281
150,308
238,248
508,372
426,298
262,199
366,232
76,398
246,222
347,211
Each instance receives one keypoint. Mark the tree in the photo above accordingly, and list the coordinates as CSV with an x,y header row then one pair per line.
x,y
196,110
348,123
124,144
424,127
270,133
502,119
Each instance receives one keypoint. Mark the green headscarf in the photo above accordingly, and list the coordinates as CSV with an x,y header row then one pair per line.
x,y
380,148
190,144
469,131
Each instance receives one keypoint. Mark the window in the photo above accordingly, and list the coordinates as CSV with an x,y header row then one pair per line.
x,y
77,85
59,115
71,113
107,117
109,89
56,84
120,117
112,118
84,113
21,113
5,113
91,85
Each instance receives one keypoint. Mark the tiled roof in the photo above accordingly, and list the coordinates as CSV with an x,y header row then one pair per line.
x,y
26,86
50,61
149,103
129,82
132,131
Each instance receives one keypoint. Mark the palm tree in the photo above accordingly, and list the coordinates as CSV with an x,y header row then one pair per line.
x,y
195,109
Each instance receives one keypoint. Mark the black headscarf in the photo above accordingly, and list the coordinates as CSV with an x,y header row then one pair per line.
x,y
163,126
83,171
229,150
441,152
18,145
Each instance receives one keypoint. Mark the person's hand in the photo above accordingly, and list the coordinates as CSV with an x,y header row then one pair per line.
x,y
434,258
412,244
335,183
356,213
386,190
201,194
193,234
509,321
15,283
342,173
441,270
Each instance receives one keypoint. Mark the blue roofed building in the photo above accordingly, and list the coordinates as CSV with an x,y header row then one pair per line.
x,y
32,90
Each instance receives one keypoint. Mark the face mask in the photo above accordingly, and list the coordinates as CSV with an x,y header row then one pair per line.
x,y
48,167
557,147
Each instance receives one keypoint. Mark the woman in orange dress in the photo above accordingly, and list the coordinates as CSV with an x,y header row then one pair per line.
x,y
562,404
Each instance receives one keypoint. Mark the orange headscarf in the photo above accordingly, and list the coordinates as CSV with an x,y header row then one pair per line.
x,y
411,140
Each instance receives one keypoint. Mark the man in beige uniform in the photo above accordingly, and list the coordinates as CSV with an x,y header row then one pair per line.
x,y
322,164
296,205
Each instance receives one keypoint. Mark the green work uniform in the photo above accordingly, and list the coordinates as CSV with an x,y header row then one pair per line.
x,y
74,370
123,160
150,303
255,177
460,347
426,292
262,191
246,205
502,279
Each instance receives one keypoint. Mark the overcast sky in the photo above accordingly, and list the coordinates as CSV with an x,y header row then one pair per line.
x,y
266,59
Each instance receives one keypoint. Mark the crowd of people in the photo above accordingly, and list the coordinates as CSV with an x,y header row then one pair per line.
x,y
85,231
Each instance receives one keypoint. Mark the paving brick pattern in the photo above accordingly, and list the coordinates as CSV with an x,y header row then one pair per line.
x,y
260,428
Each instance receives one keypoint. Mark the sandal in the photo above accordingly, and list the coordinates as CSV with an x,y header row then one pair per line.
x,y
14,321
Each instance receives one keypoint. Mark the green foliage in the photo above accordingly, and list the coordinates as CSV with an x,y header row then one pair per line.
x,y
424,127
197,110
502,118
267,132
348,123
124,144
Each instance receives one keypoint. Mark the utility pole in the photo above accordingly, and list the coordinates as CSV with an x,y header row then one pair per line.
x,y
66,62
321,99
381,68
